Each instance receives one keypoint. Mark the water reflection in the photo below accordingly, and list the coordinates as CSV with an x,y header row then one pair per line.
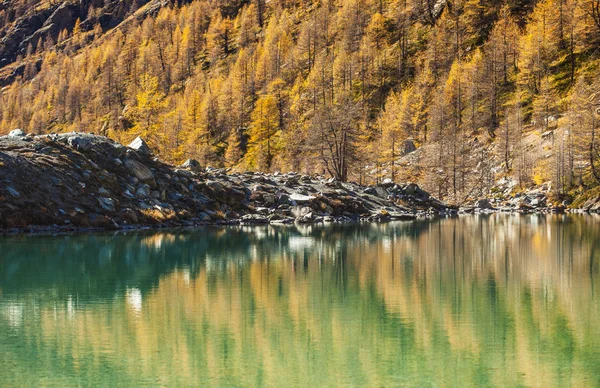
x,y
489,300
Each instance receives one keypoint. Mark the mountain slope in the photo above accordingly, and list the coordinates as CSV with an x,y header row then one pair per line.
x,y
485,91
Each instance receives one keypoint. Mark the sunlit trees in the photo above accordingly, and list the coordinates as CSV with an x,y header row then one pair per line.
x,y
395,128
264,132
150,102
331,87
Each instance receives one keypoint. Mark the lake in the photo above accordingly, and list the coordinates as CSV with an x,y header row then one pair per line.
x,y
498,300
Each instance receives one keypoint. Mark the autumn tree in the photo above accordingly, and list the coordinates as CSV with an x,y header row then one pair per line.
x,y
150,102
264,132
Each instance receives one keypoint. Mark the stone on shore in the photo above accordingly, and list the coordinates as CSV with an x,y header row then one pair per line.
x,y
17,133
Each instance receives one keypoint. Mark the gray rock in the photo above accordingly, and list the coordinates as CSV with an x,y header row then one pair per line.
x,y
130,216
483,204
140,146
269,199
106,204
307,218
184,173
143,191
300,198
370,190
141,172
254,219
102,191
128,194
192,165
14,193
284,199
203,216
17,133
408,147
79,143
381,192
282,221
414,190
215,186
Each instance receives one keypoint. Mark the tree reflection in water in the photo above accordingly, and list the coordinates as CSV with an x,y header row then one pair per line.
x,y
476,300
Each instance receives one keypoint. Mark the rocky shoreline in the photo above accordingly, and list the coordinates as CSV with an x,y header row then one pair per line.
x,y
76,181
83,182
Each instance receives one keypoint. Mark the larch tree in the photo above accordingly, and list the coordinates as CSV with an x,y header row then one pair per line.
x,y
264,133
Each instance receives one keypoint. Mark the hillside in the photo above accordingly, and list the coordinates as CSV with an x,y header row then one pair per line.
x,y
468,98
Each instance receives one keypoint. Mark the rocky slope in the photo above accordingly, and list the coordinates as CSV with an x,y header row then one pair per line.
x,y
73,181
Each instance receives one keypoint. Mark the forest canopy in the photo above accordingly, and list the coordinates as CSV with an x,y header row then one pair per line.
x,y
451,94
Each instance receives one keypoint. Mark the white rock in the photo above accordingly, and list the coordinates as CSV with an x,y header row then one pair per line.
x,y
17,133
300,198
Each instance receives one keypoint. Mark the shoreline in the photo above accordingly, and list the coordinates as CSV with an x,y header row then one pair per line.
x,y
76,182
40,230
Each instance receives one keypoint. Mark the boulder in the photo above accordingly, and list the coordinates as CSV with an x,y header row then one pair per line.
x,y
141,172
98,220
143,191
306,219
284,199
215,186
269,199
140,146
80,143
483,204
370,190
254,219
408,147
414,190
107,204
192,165
103,191
17,133
300,198
130,216
205,217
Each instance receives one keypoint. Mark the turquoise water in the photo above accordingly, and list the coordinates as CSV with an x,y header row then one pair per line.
x,y
498,300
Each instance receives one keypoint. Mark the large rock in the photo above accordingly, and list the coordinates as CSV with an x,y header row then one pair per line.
x,y
300,198
215,186
80,143
141,172
408,147
483,204
107,204
414,190
192,165
17,133
254,219
140,146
